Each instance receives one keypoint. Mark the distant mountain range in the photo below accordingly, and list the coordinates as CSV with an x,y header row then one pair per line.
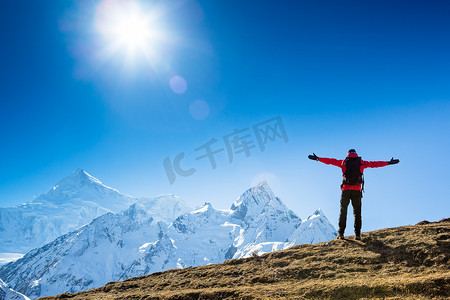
x,y
150,235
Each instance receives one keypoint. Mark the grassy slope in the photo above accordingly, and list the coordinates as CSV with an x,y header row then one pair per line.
x,y
410,262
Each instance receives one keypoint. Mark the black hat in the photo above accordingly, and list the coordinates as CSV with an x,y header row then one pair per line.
x,y
352,151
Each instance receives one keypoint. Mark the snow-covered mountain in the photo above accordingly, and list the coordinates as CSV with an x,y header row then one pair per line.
x,y
159,234
265,220
7,293
94,254
73,202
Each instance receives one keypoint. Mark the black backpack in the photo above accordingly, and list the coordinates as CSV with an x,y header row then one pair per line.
x,y
353,175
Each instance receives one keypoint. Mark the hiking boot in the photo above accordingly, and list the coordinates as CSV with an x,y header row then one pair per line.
x,y
340,236
358,237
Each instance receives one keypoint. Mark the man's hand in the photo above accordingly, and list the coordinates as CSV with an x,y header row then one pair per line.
x,y
393,161
313,157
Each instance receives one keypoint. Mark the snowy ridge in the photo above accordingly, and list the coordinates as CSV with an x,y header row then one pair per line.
x,y
9,257
159,234
7,293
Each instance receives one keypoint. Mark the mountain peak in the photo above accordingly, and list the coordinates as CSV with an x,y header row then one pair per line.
x,y
261,190
78,177
78,170
263,184
81,173
318,212
203,208
82,186
253,201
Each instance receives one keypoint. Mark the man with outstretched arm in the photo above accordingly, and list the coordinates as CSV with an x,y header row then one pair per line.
x,y
353,179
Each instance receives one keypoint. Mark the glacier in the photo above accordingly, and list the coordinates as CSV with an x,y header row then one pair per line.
x,y
157,234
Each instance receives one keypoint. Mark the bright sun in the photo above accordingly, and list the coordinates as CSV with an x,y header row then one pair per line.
x,y
126,26
132,31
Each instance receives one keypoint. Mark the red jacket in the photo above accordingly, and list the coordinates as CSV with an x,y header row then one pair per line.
x,y
364,164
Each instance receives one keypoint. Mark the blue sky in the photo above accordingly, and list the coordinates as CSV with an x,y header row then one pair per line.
x,y
369,75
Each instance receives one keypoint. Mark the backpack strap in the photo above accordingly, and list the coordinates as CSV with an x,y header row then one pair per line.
x,y
362,185
362,180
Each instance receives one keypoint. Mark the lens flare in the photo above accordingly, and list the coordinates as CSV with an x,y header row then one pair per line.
x,y
178,84
199,109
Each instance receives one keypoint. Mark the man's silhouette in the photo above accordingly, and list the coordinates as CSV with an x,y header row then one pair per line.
x,y
352,171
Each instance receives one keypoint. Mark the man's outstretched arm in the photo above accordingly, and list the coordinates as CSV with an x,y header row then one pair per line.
x,y
377,164
328,161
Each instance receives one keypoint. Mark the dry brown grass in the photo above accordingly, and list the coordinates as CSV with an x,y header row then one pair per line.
x,y
410,262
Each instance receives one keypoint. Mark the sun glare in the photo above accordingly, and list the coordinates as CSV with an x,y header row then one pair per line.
x,y
128,27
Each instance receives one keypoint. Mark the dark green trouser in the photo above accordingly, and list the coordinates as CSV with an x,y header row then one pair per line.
x,y
346,196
